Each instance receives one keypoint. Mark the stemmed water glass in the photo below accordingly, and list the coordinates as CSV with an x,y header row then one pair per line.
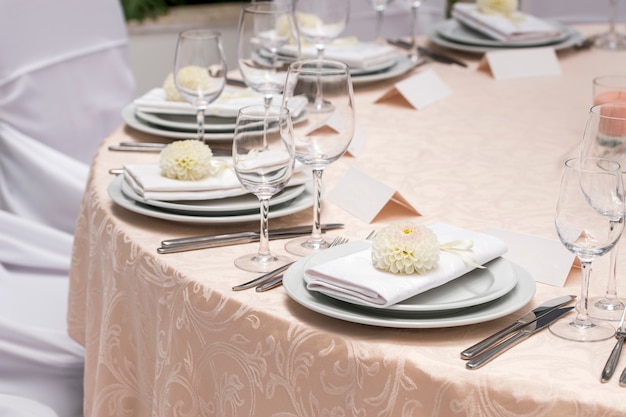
x,y
415,6
264,29
379,7
199,70
325,134
605,137
612,40
263,159
589,221
321,21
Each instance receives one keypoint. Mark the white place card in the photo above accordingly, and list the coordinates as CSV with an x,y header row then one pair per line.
x,y
367,198
359,141
521,63
546,260
419,90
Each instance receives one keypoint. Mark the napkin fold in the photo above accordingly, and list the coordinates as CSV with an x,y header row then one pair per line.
x,y
359,55
499,27
147,181
353,278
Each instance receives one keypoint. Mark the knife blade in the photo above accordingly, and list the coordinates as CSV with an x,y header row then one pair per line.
x,y
224,242
538,325
525,320
247,234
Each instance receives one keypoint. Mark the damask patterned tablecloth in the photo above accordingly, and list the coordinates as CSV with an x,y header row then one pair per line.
x,y
166,336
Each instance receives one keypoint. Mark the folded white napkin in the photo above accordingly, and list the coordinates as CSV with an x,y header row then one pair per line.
x,y
359,55
147,181
353,278
499,27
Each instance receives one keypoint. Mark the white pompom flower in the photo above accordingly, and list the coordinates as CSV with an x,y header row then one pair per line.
x,y
188,160
405,248
504,7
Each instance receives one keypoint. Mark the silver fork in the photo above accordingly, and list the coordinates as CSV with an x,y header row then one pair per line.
x,y
611,363
278,280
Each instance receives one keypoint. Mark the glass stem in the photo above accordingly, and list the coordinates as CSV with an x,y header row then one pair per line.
x,y
582,318
611,288
267,101
264,245
200,121
316,233
379,25
612,16
414,27
320,51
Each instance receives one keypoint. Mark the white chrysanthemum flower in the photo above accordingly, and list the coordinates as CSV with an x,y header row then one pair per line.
x,y
505,7
190,77
188,160
405,248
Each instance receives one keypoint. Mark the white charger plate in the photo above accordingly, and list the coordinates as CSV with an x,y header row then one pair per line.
x,y
522,294
230,205
403,65
476,287
301,202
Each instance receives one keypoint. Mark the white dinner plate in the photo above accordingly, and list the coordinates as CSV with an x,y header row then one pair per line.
x,y
522,293
476,287
230,205
187,122
572,39
301,202
455,31
403,65
382,66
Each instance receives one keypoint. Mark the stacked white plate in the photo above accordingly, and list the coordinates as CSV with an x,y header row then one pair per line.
x,y
481,295
455,35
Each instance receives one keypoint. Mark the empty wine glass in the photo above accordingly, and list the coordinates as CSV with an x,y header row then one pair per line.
x,y
605,137
325,134
589,221
611,40
264,29
199,70
379,7
321,21
263,159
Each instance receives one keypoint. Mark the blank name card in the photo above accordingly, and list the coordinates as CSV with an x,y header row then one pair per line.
x,y
521,63
419,90
365,197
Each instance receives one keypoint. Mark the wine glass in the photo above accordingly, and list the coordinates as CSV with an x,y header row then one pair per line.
x,y
605,137
199,70
611,40
321,21
589,221
263,159
325,134
264,29
379,7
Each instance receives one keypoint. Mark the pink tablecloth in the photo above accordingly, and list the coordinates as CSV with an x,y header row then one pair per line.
x,y
166,336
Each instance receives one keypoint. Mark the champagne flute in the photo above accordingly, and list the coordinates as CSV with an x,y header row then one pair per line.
x,y
321,21
589,221
379,7
611,40
265,28
605,137
263,159
199,70
325,134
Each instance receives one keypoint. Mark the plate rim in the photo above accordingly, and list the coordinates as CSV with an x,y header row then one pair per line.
x,y
155,119
402,66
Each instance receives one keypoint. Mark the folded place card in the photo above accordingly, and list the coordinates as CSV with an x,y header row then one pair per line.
x,y
366,197
521,63
419,90
358,141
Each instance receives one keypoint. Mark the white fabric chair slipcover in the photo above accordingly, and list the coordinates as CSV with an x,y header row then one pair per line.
x,y
64,79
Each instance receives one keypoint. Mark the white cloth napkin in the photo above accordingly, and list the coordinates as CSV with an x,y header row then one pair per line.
x,y
147,181
353,278
359,55
501,28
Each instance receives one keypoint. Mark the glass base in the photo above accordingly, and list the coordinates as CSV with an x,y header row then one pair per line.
x,y
591,331
256,263
606,309
611,41
305,246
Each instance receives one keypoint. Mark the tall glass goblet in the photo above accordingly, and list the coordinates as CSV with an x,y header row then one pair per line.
x,y
605,137
379,7
611,40
321,21
263,159
199,70
589,221
265,28
325,134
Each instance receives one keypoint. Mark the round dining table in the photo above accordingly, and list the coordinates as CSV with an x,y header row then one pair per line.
x,y
165,335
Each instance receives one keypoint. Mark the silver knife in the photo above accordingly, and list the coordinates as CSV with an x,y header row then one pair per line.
x,y
525,320
223,242
255,235
541,323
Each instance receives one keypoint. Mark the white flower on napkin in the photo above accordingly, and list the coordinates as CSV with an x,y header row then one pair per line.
x,y
188,160
503,7
405,248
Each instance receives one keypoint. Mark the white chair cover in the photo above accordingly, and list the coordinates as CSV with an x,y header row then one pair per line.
x,y
64,79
